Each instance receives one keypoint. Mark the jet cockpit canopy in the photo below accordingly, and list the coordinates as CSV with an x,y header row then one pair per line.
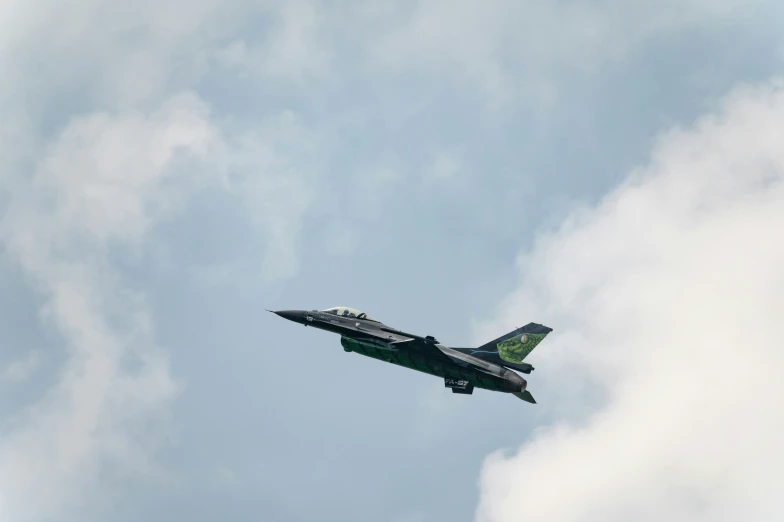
x,y
345,311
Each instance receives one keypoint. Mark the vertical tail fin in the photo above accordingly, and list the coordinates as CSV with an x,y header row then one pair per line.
x,y
510,349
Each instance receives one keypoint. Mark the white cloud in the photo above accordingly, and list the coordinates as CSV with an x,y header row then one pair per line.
x,y
117,53
668,297
83,187
102,183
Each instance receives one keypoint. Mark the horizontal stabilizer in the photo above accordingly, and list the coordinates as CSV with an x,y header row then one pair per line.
x,y
526,396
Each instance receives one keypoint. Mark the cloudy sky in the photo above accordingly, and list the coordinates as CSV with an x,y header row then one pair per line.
x,y
169,169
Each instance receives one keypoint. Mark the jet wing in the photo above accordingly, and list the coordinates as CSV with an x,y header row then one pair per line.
x,y
443,353
424,347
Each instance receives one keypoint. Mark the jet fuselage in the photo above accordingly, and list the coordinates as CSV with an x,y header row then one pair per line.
x,y
461,371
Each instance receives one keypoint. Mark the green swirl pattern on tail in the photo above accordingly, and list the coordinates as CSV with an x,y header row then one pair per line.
x,y
515,349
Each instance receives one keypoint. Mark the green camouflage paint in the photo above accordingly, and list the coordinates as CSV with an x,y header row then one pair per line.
x,y
422,363
515,349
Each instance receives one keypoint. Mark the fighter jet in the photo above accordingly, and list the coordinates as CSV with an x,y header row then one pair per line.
x,y
488,367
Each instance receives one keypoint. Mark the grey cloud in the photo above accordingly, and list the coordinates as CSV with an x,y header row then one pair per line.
x,y
21,369
297,47
507,47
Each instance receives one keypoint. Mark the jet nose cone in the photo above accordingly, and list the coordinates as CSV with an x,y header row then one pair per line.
x,y
291,315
